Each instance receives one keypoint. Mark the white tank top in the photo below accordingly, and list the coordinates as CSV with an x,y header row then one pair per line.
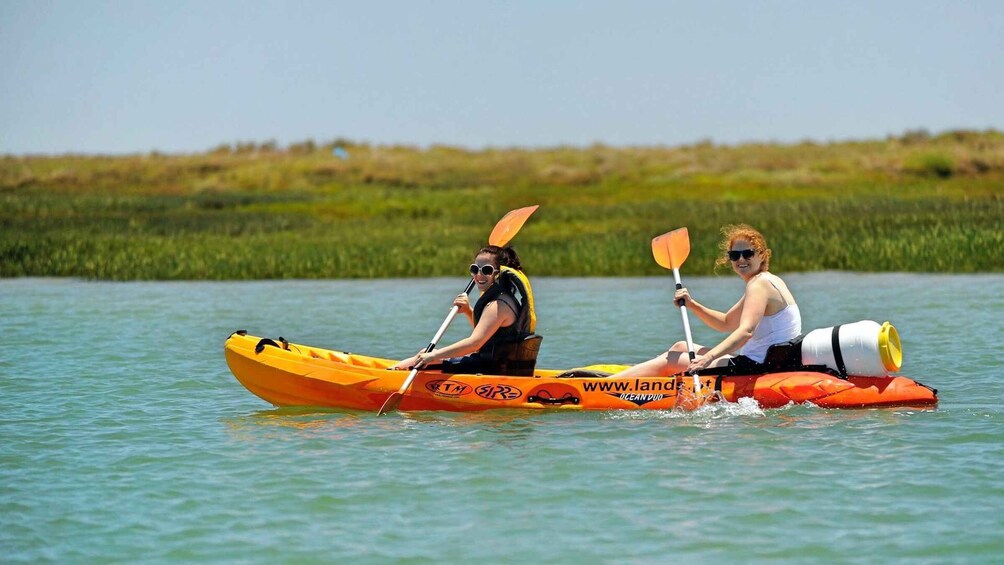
x,y
777,328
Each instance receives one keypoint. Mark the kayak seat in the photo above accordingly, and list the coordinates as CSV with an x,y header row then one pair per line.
x,y
760,369
520,358
781,358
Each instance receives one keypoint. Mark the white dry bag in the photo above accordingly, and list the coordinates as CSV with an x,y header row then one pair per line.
x,y
863,348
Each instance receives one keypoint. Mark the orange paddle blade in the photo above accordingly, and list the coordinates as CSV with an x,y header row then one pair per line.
x,y
391,403
671,248
509,225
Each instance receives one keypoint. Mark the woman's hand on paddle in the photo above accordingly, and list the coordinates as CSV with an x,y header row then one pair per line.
x,y
423,358
413,362
682,294
699,362
462,303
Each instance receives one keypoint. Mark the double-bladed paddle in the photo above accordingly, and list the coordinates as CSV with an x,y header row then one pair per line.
x,y
504,231
671,250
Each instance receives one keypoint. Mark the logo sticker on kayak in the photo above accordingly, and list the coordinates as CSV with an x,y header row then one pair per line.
x,y
637,399
642,387
498,392
445,387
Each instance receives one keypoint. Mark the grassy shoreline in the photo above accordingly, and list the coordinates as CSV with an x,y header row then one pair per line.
x,y
913,203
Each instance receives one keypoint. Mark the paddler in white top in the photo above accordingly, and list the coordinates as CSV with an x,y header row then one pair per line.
x,y
765,315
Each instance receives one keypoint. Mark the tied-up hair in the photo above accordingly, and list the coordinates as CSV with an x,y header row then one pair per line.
x,y
504,256
731,233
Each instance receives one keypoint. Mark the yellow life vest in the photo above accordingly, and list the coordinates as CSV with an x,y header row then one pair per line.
x,y
522,292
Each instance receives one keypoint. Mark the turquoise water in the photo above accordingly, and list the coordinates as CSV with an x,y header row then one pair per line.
x,y
123,436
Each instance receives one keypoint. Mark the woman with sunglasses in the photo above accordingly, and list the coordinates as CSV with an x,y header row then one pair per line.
x,y
766,314
502,340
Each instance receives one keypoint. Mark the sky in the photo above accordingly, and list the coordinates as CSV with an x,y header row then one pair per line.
x,y
134,76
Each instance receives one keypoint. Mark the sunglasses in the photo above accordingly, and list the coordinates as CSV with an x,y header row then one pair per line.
x,y
486,270
745,254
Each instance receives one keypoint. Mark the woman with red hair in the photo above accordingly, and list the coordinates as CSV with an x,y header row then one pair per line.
x,y
766,314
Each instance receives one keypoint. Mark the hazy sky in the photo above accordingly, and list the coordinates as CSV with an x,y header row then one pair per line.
x,y
180,76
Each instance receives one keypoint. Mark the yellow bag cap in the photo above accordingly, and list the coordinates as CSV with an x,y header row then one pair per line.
x,y
890,349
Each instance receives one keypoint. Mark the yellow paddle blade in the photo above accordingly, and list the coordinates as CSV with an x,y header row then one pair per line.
x,y
509,225
671,248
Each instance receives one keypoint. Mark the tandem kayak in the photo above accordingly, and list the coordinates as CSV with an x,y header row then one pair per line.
x,y
310,376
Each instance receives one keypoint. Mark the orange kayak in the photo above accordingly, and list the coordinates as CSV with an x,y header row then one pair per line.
x,y
309,376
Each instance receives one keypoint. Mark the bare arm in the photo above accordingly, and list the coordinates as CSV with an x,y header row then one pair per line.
x,y
718,321
753,306
494,317
463,304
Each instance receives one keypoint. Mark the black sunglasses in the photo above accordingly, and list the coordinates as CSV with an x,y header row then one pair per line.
x,y
745,254
486,270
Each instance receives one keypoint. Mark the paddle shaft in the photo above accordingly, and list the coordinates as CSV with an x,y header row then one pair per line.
x,y
395,398
686,328
437,337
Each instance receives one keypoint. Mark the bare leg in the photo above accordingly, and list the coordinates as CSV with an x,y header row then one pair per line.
x,y
674,361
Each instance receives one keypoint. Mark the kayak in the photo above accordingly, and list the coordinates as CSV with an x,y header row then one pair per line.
x,y
288,374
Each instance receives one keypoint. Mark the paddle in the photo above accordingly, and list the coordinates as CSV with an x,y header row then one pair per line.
x,y
504,231
671,250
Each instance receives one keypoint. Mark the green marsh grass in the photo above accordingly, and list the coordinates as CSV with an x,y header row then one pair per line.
x,y
917,202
